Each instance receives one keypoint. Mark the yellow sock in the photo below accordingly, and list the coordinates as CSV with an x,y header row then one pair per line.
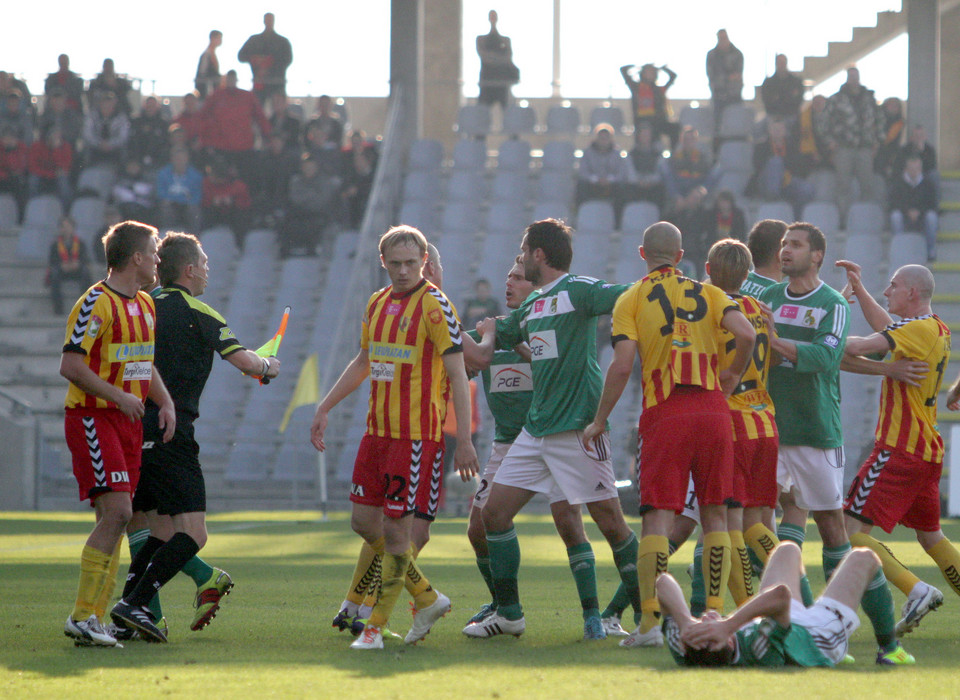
x,y
94,566
414,551
652,556
761,540
373,591
418,586
103,601
740,582
716,567
948,559
364,573
896,573
394,571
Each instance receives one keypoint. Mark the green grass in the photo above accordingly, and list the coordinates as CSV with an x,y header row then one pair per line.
x,y
273,638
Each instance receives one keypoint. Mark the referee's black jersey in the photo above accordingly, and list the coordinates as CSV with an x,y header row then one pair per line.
x,y
188,333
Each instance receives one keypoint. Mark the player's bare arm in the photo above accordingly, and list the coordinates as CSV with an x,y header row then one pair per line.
x,y
876,315
475,358
618,374
487,328
953,395
465,458
904,370
775,357
745,338
349,381
249,362
75,370
167,418
773,602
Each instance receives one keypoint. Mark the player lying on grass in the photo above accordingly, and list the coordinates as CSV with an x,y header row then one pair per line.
x,y
774,628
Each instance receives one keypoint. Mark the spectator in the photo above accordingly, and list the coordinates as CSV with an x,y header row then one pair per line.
x,y
17,115
329,124
67,260
312,203
725,74
283,122
269,55
149,136
179,193
67,82
106,131
723,220
853,131
190,120
49,166
360,166
481,305
885,160
134,193
919,146
645,168
813,144
108,82
277,165
227,121
914,204
782,94
603,170
13,166
649,101
497,70
208,68
57,115
779,169
226,200
9,83
688,179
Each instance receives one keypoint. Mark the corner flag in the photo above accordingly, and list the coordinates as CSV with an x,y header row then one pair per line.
x,y
307,390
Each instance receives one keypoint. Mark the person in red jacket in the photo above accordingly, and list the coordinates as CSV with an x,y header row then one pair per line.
x,y
49,164
226,200
227,125
13,166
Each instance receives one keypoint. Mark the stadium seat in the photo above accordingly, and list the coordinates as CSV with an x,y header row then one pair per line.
x,y
735,181
866,249
637,216
550,209
499,250
422,186
519,120
39,227
220,244
611,115
425,154
595,217
256,273
775,210
296,461
460,216
825,186
473,120
9,212
736,155
590,257
555,185
558,156
261,244
514,156
466,185
87,212
421,215
506,218
825,216
700,118
736,122
469,154
299,274
97,181
907,249
510,187
865,217
249,461
563,120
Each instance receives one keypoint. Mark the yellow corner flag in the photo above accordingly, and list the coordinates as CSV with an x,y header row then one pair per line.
x,y
307,390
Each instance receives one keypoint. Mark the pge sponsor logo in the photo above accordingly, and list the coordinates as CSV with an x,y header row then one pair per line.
x,y
510,378
543,345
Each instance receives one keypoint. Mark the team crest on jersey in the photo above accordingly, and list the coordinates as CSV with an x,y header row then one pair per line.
x,y
133,308
435,316
393,309
553,305
404,323
94,327
149,319
808,319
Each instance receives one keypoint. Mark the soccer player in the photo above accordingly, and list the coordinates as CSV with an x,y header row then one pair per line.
x,y
787,632
811,321
108,359
764,244
410,340
674,324
171,491
900,480
559,323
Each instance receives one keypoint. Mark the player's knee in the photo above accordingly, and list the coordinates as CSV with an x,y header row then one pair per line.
x,y
476,533
865,560
493,521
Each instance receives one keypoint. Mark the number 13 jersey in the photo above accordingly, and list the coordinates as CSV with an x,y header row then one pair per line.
x,y
675,322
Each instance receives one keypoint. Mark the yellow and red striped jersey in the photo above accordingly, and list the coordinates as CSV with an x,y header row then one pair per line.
x,y
751,407
908,414
675,322
115,333
406,337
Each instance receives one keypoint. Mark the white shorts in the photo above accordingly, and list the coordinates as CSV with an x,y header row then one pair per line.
x,y
815,473
542,464
830,624
691,508
497,454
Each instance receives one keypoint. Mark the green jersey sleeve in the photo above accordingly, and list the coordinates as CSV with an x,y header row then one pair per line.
x,y
596,297
509,334
825,350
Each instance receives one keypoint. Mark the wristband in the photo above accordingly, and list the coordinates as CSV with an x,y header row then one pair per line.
x,y
266,367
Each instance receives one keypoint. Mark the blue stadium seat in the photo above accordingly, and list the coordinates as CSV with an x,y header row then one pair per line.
x,y
469,154
510,187
466,185
736,122
590,256
824,215
473,120
559,156
907,249
555,185
422,215
514,156
422,186
519,120
700,118
611,115
551,209
775,210
736,155
9,212
39,227
425,154
460,216
637,216
506,218
97,181
563,120
87,212
595,217
866,249
865,217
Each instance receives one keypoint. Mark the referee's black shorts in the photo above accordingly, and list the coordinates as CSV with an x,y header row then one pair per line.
x,y
170,478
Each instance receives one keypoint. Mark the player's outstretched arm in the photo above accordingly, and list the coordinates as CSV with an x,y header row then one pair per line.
x,y
876,315
167,419
953,395
476,357
904,370
618,374
349,381
465,458
249,362
745,338
76,371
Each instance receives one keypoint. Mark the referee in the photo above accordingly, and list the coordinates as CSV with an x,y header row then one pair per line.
x,y
171,490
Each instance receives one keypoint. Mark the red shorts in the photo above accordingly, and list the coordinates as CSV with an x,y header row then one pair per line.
x,y
688,434
892,487
403,476
755,471
105,446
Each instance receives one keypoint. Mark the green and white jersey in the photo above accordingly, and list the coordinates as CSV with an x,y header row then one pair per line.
x,y
807,394
508,386
559,324
755,284
766,643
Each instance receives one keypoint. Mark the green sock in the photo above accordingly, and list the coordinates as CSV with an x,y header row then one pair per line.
x,y
877,602
625,558
199,570
584,568
483,563
797,534
135,541
698,593
504,549
618,603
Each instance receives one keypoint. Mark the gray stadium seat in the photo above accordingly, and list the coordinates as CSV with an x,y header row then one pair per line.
x,y
9,212
510,187
611,115
39,227
460,216
907,249
548,209
422,215
299,274
736,122
514,156
637,216
497,255
736,155
469,154
261,244
700,118
825,186
563,120
507,218
866,249
519,120
465,185
595,217
425,154
824,215
220,244
296,460
249,461
422,186
735,181
555,185
96,179
865,217
473,120
559,156
775,210
87,212
590,256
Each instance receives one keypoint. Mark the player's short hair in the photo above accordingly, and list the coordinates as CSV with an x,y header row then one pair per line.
x,y
764,240
403,235
176,251
555,239
122,240
729,264
215,32
708,657
815,236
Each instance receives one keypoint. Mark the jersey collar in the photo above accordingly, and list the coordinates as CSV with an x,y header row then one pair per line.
x,y
394,295
546,288
797,297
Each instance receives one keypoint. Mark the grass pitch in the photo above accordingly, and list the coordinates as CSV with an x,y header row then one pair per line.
x,y
272,637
